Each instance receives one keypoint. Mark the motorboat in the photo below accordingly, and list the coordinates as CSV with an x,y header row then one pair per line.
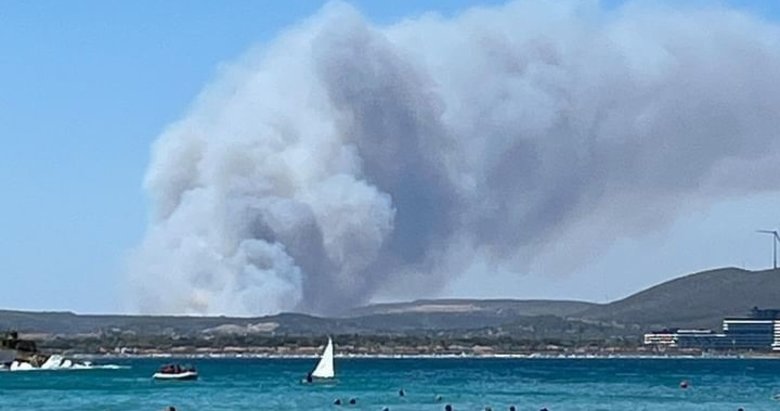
x,y
17,354
176,372
12,348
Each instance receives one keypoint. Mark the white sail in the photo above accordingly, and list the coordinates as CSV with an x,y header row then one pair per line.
x,y
324,368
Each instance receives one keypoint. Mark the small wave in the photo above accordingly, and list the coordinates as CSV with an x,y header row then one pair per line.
x,y
58,363
72,368
110,367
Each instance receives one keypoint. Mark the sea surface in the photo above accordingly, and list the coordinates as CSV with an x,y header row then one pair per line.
x,y
466,384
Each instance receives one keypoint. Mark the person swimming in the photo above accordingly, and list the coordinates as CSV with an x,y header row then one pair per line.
x,y
512,408
448,407
337,402
353,401
401,392
309,378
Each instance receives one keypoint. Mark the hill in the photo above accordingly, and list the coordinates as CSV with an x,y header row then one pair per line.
x,y
67,323
418,316
476,323
697,300
502,307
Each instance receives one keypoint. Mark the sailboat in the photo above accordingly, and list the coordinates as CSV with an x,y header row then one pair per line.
x,y
324,369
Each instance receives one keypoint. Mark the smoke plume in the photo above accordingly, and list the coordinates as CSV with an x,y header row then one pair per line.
x,y
345,160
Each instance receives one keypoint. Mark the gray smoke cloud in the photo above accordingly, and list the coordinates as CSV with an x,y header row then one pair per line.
x,y
345,160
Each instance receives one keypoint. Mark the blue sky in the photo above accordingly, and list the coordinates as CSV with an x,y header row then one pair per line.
x,y
86,86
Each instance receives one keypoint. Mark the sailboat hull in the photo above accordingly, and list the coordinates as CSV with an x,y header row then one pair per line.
x,y
319,381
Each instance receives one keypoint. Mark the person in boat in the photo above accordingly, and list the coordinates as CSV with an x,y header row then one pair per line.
x,y
176,369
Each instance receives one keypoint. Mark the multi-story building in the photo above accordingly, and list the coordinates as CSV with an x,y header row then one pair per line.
x,y
759,331
666,338
745,333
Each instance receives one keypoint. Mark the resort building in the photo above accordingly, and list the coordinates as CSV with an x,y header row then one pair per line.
x,y
759,331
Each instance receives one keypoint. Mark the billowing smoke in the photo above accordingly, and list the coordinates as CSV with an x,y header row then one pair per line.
x,y
346,160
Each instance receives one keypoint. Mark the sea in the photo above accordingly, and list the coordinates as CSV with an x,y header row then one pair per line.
x,y
557,384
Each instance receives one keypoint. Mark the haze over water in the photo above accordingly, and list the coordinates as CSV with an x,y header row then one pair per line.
x,y
467,384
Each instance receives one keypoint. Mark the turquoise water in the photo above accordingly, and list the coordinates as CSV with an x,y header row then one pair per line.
x,y
467,384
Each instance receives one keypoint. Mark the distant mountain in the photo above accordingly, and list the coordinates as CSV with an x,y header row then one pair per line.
x,y
413,323
502,307
423,315
67,323
453,315
70,323
696,300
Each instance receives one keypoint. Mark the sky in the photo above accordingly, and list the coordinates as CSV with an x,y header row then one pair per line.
x,y
86,87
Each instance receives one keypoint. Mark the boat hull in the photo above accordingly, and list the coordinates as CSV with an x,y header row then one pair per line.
x,y
318,380
182,376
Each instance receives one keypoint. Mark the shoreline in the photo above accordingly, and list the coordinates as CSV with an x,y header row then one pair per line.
x,y
534,356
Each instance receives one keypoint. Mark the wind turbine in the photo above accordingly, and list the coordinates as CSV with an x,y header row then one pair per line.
x,y
775,239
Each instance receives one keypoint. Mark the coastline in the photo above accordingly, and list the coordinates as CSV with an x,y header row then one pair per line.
x,y
533,356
